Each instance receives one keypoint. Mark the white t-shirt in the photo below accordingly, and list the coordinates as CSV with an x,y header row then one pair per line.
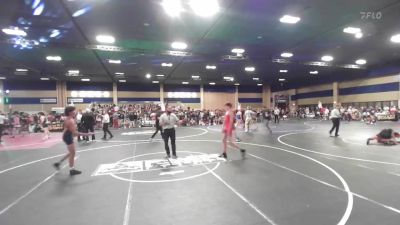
x,y
106,118
276,111
2,118
248,114
168,121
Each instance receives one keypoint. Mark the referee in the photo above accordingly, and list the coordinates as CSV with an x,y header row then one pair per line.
x,y
335,117
168,120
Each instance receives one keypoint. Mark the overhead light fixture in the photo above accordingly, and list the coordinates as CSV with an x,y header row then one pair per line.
x,y
44,78
166,64
314,72
250,69
21,70
289,19
2,78
238,50
53,58
185,82
108,39
148,76
195,77
119,73
327,58
256,78
35,3
211,67
352,30
286,54
172,7
54,33
155,81
160,75
359,35
122,81
82,11
114,61
283,71
212,83
205,8
236,84
39,10
259,84
85,79
281,79
229,78
179,45
71,72
15,31
361,62
395,38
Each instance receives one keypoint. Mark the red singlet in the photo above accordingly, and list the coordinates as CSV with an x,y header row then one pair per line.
x,y
228,124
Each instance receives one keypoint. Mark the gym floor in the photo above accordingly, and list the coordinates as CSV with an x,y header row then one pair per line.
x,y
297,175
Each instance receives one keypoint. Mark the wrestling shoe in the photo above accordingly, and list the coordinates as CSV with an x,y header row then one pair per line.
x,y
57,166
243,152
74,172
223,155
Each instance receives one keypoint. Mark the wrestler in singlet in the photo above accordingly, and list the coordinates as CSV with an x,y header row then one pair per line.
x,y
228,128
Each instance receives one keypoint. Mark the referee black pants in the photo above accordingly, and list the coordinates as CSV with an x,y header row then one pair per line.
x,y
169,134
336,124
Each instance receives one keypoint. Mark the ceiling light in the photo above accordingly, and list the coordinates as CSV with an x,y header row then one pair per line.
x,y
359,35
287,54
122,81
211,67
160,75
259,85
155,81
283,71
54,33
73,71
166,64
2,78
179,45
35,3
289,19
21,70
38,11
314,72
44,78
281,79
105,39
395,38
85,79
119,73
229,78
212,83
249,69
184,82
113,61
256,78
352,30
14,31
237,84
54,58
195,77
82,11
172,7
327,58
361,61
238,50
148,76
205,8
